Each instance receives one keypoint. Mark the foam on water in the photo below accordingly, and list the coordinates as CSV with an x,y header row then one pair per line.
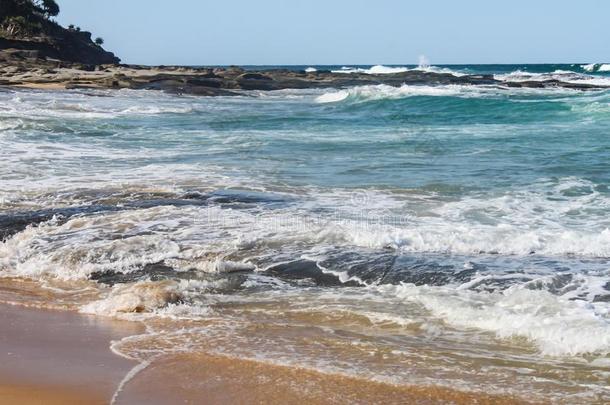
x,y
379,92
139,297
381,70
597,67
555,324
566,76
470,220
383,92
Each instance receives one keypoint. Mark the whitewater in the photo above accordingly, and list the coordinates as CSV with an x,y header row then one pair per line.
x,y
443,228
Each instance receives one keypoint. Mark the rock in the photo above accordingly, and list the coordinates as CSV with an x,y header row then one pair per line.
x,y
65,46
253,76
27,67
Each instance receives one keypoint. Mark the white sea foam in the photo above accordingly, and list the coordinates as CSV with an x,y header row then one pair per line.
x,y
565,76
381,69
423,62
78,105
556,325
382,91
597,67
569,323
311,69
376,69
139,297
333,97
540,220
378,92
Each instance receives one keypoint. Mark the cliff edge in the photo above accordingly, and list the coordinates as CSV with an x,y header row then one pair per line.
x,y
28,31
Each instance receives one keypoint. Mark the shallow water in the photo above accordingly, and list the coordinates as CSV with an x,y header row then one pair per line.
x,y
448,235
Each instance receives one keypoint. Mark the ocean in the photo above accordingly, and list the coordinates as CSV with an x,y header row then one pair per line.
x,y
416,235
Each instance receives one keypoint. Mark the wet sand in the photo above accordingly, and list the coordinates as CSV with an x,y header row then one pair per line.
x,y
225,380
59,356
62,357
47,395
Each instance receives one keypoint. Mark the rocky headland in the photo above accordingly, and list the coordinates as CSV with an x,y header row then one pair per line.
x,y
36,52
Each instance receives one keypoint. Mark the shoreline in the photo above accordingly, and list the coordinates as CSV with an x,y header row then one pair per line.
x,y
19,70
56,356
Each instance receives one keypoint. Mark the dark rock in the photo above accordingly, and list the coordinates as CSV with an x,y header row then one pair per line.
x,y
65,46
253,76
306,270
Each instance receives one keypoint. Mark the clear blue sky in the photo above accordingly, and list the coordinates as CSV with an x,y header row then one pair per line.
x,y
202,32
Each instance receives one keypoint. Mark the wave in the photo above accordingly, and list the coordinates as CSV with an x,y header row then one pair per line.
x,y
376,69
139,297
565,76
173,230
596,67
79,105
557,325
530,296
311,70
383,92
381,69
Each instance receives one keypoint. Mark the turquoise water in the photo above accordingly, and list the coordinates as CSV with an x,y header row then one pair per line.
x,y
478,214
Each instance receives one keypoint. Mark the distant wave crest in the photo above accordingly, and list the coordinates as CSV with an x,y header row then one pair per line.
x,y
596,67
386,92
381,69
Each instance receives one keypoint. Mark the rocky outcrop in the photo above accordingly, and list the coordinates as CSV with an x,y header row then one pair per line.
x,y
49,66
28,68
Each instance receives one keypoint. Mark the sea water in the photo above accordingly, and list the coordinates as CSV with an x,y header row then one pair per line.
x,y
454,235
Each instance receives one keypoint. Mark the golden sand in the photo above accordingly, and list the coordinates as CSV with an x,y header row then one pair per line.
x,y
45,395
201,378
59,357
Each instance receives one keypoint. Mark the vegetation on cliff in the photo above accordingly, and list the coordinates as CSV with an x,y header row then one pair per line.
x,y
28,25
26,18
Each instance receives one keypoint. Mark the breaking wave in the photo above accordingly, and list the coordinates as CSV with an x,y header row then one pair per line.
x,y
596,67
565,76
460,223
381,69
383,92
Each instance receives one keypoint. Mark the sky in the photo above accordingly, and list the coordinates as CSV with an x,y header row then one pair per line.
x,y
340,32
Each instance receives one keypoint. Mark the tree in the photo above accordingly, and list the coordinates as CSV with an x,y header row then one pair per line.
x,y
99,41
15,25
24,17
48,8
27,14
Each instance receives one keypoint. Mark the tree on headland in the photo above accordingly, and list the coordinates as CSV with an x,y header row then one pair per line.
x,y
26,17
99,41
49,8
28,8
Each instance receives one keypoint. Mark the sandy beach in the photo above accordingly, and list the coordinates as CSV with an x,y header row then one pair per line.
x,y
59,357
62,357
222,380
